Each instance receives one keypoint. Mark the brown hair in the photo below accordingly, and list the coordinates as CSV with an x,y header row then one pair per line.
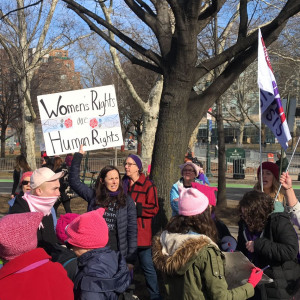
x,y
22,164
201,223
103,197
57,163
255,207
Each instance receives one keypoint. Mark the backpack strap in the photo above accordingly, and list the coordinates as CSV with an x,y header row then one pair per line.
x,y
69,260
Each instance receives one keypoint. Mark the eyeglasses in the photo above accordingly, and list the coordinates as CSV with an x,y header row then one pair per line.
x,y
128,164
188,170
25,182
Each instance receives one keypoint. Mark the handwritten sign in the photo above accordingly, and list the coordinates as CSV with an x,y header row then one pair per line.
x,y
88,116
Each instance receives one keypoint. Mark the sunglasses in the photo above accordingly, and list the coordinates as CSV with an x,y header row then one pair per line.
x,y
25,182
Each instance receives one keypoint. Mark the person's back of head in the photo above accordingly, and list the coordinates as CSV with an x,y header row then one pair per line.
x,y
255,207
88,231
57,163
18,234
194,214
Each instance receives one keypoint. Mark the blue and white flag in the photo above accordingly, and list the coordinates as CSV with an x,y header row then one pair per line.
x,y
272,113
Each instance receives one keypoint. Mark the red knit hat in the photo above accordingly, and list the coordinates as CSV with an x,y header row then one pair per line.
x,y
208,191
88,231
62,223
272,167
18,234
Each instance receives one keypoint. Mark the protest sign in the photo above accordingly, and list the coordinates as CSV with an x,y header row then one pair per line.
x,y
88,116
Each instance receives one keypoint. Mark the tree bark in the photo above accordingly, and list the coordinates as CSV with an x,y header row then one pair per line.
x,y
3,139
148,136
241,133
28,125
172,129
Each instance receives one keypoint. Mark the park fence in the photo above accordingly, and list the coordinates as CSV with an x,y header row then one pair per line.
x,y
236,168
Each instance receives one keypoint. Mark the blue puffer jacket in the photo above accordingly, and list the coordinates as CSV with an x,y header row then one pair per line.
x,y
126,216
102,274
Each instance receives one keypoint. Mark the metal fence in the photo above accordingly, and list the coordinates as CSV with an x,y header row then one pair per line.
x,y
247,166
94,164
244,167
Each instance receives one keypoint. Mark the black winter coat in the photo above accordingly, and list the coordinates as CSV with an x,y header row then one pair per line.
x,y
126,216
277,247
102,274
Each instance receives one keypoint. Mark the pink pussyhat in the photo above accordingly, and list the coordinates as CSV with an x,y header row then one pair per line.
x,y
18,234
191,202
62,223
208,191
89,230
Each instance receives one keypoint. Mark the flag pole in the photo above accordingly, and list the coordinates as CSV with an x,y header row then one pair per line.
x,y
260,148
259,114
288,166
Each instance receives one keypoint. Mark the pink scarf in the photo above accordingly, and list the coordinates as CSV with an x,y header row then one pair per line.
x,y
39,204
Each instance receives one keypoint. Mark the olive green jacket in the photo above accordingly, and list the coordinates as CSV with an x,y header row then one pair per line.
x,y
193,268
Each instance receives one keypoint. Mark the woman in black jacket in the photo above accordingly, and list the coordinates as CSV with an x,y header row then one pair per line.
x,y
20,168
120,213
268,238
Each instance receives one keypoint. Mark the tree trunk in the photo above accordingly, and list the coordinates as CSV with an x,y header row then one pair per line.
x,y
193,138
150,119
3,136
222,201
148,137
241,133
172,129
28,126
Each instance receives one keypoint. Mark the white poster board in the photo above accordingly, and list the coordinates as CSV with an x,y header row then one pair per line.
x,y
88,116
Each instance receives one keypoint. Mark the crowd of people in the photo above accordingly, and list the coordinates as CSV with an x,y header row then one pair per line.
x,y
93,255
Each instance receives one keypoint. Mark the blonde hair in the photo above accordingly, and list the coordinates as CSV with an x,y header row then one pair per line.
x,y
274,190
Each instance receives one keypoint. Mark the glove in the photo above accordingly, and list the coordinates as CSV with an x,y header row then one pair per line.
x,y
255,276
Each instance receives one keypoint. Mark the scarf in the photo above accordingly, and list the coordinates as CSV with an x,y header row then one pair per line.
x,y
113,194
39,204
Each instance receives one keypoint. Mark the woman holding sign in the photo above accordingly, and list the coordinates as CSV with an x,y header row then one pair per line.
x,y
120,211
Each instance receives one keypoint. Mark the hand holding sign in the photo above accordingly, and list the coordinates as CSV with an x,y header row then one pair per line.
x,y
81,150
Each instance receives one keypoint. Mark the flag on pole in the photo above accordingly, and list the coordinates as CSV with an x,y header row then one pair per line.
x,y
272,113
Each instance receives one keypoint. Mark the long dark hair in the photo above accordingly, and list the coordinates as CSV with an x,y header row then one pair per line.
x,y
255,207
201,223
22,164
103,198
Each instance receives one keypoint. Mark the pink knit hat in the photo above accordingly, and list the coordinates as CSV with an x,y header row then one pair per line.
x,y
62,223
191,202
26,174
18,234
194,166
88,231
208,191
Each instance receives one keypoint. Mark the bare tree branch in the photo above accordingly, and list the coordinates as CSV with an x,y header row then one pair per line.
x,y
243,20
145,16
83,13
14,10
